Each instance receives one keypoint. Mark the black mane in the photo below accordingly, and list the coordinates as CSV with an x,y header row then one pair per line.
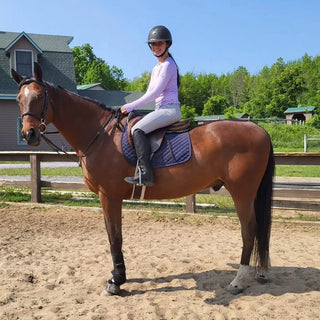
x,y
100,104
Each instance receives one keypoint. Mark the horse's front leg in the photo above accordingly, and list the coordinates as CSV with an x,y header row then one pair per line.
x,y
112,217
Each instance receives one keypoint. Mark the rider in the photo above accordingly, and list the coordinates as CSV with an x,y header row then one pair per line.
x,y
163,89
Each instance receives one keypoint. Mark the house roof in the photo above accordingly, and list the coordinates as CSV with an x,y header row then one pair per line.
x,y
23,34
41,42
91,86
115,98
55,56
300,109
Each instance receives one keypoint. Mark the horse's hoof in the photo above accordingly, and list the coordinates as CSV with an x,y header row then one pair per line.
x,y
234,289
262,278
111,290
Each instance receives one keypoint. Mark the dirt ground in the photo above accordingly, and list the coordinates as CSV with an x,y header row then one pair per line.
x,y
55,262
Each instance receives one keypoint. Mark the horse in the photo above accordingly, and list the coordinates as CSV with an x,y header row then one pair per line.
x,y
234,154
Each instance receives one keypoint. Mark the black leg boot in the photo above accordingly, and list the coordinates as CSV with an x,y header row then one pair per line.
x,y
143,150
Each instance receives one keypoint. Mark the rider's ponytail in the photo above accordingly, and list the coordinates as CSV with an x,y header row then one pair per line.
x,y
178,75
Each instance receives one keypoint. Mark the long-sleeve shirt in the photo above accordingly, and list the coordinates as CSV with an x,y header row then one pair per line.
x,y
162,89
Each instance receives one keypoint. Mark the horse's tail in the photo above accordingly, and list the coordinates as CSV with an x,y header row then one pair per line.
x,y
262,207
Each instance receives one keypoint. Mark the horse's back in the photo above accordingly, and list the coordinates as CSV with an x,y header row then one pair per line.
x,y
232,136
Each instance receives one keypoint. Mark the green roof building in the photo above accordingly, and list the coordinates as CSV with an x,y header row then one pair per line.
x,y
299,114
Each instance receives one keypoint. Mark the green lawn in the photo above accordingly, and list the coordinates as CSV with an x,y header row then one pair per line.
x,y
297,171
281,171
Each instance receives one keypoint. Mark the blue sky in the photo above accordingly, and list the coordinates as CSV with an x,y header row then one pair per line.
x,y
209,36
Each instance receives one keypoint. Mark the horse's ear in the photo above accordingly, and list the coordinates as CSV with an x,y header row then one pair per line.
x,y
16,76
37,71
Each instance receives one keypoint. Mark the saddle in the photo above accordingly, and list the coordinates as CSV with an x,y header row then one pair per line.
x,y
156,136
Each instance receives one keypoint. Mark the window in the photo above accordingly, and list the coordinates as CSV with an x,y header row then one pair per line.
x,y
24,62
20,141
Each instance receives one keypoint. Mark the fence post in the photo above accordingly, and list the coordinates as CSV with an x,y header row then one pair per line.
x,y
305,143
35,178
191,204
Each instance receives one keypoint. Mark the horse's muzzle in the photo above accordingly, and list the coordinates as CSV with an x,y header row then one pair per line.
x,y
31,136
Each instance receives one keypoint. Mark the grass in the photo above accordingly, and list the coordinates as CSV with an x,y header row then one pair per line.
x,y
297,171
55,172
281,171
215,204
220,205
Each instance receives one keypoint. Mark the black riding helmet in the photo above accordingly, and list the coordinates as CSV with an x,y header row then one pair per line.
x,y
160,33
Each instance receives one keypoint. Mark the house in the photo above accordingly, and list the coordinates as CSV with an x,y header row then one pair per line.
x,y
300,114
18,51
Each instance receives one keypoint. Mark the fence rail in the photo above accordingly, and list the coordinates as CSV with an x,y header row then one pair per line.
x,y
307,138
283,195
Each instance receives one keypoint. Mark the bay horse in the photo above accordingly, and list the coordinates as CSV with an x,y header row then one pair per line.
x,y
234,154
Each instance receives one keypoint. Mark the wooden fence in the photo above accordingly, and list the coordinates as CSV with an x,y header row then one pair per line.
x,y
284,194
307,138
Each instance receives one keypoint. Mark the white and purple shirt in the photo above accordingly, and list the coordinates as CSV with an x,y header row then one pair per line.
x,y
162,89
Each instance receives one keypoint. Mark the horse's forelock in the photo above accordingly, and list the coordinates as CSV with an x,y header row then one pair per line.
x,y
28,80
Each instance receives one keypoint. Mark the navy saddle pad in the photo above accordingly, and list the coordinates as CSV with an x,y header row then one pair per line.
x,y
175,149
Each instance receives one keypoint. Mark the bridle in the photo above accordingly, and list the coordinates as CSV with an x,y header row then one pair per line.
x,y
42,118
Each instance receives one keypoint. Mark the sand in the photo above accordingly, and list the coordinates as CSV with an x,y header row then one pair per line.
x,y
55,262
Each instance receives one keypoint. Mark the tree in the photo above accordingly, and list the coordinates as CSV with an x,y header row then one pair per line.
x,y
287,88
188,91
188,112
140,83
91,69
83,57
215,105
239,86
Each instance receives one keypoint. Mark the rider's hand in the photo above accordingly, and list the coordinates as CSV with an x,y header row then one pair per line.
x,y
124,110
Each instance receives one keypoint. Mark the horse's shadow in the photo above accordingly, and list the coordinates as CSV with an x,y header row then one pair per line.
x,y
282,280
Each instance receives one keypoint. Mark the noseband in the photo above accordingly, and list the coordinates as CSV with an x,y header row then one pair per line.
x,y
42,118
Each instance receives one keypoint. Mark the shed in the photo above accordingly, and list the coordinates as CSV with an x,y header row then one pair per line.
x,y
300,114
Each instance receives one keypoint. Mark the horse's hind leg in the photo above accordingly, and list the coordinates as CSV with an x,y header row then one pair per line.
x,y
248,231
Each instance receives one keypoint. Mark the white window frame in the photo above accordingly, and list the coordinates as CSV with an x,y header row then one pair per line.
x,y
15,60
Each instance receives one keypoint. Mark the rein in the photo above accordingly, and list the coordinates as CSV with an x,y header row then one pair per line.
x,y
113,114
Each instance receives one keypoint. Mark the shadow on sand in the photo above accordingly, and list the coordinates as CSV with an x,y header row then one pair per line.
x,y
282,280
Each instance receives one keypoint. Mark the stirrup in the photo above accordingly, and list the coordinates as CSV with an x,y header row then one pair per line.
x,y
137,179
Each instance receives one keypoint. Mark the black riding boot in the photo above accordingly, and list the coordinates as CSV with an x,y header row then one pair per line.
x,y
143,150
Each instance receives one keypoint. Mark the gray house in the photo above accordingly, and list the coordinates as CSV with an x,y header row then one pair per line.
x,y
18,51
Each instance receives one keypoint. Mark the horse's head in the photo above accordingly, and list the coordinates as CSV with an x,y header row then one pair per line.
x,y
33,102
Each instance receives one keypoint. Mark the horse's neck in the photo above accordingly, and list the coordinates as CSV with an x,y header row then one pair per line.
x,y
77,119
